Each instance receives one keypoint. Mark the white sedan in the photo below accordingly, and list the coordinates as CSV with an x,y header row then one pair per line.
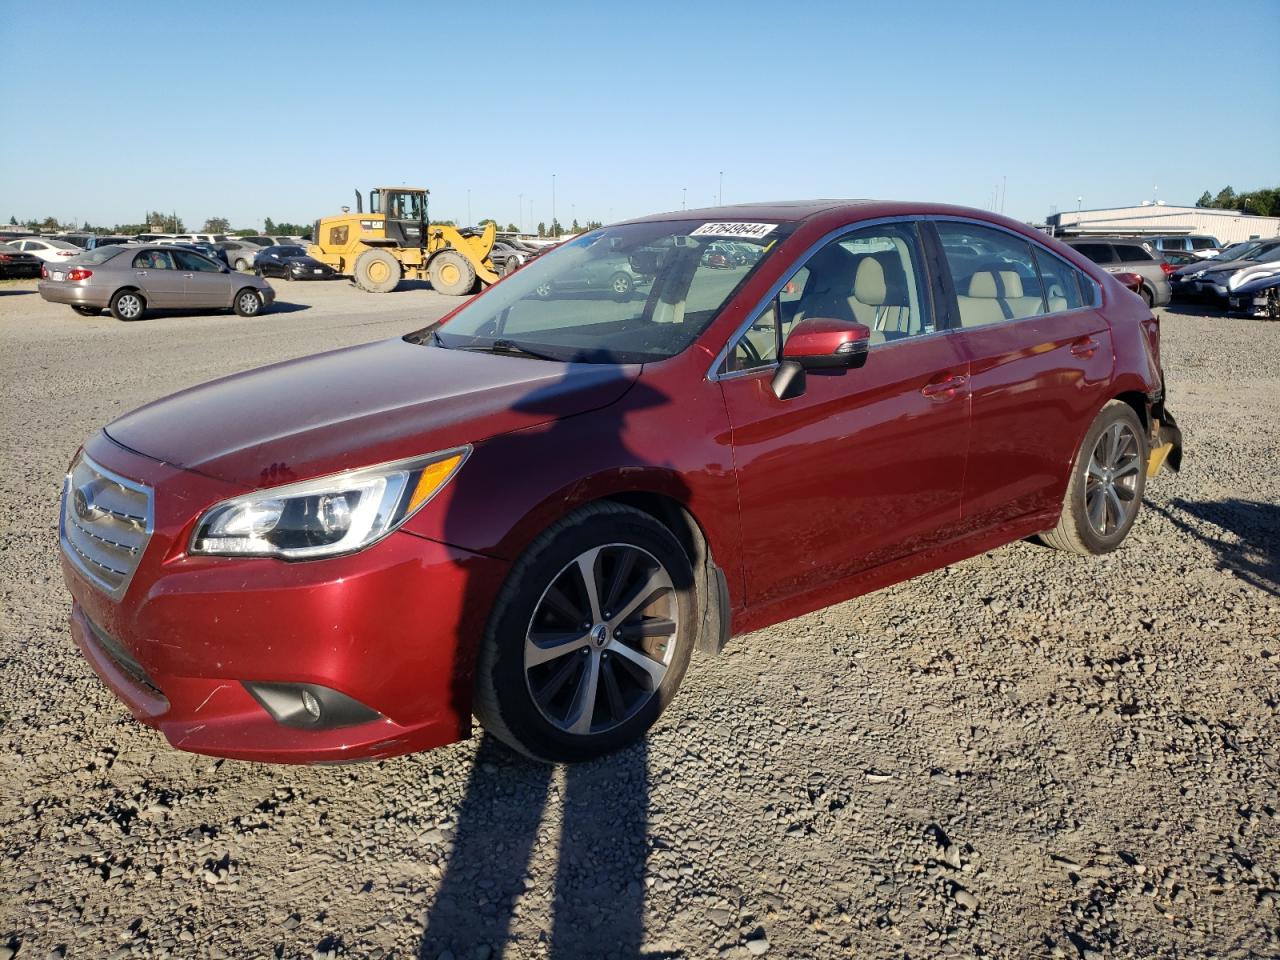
x,y
50,251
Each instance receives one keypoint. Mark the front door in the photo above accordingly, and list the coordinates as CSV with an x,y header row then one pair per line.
x,y
204,283
1041,359
867,464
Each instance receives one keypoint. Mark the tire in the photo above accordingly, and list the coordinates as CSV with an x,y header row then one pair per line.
x,y
1147,297
1097,470
87,311
242,265
630,690
452,274
376,271
247,302
128,305
510,266
621,283
543,290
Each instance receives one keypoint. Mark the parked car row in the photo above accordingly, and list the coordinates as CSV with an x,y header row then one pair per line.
x,y
1128,255
1222,279
15,263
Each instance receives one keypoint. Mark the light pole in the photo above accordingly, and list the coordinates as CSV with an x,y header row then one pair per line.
x,y
684,197
720,201
1079,200
468,206
520,213
553,202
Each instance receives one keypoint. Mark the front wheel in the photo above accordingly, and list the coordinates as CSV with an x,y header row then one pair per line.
x,y
620,283
1107,482
589,638
248,303
452,274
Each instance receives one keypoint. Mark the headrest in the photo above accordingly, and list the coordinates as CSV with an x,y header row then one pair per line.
x,y
1012,283
868,283
983,284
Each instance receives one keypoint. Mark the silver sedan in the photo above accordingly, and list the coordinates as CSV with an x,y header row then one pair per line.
x,y
131,280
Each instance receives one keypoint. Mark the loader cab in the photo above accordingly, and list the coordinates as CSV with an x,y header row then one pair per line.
x,y
405,210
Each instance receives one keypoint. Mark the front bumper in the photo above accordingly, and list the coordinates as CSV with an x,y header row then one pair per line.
x,y
392,627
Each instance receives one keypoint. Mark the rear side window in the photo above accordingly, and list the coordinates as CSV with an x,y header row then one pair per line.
x,y
1201,243
1065,287
1129,252
994,274
1097,252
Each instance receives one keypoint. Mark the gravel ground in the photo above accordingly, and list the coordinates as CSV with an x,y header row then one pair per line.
x,y
1026,755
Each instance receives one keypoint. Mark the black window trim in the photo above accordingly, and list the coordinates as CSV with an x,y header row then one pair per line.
x,y
942,283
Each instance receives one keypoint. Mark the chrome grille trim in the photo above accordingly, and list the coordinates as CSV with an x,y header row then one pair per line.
x,y
106,528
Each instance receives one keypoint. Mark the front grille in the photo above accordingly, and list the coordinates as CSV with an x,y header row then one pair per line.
x,y
105,524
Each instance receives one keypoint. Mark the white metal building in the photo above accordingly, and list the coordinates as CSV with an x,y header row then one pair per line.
x,y
1158,219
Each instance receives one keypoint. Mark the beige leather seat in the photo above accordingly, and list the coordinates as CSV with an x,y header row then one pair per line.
x,y
1015,299
980,305
866,303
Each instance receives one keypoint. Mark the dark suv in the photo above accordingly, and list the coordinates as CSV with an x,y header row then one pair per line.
x,y
1127,255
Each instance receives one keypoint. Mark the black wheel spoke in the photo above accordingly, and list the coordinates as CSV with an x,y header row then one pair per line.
x,y
651,627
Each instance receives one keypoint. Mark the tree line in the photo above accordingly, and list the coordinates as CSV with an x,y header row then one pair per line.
x,y
1260,203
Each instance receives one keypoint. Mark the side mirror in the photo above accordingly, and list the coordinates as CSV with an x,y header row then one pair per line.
x,y
275,256
819,343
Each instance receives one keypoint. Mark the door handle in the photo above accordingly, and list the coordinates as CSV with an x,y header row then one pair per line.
x,y
1085,348
945,388
188,276
140,273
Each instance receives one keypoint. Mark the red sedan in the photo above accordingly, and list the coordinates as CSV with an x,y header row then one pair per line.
x,y
535,510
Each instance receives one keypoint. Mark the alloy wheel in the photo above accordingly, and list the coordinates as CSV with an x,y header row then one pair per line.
x,y
1111,484
601,639
249,302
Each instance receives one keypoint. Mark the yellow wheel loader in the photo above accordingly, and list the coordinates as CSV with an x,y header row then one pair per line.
x,y
395,239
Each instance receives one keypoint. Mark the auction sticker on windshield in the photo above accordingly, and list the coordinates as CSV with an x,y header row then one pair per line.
x,y
750,231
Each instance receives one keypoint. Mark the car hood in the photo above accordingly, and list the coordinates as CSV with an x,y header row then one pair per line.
x,y
359,406
302,261
1212,266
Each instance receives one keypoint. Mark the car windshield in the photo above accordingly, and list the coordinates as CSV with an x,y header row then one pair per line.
x,y
292,252
1237,251
632,293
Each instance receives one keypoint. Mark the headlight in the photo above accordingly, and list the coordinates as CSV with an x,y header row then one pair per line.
x,y
340,513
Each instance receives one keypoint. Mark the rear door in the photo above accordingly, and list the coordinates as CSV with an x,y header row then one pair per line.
x,y
156,274
1041,360
866,465
203,282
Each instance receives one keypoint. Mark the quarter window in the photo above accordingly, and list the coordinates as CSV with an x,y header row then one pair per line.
x,y
994,274
1128,253
1201,243
1064,286
153,260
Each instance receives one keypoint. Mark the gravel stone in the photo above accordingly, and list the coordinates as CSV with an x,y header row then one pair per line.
x,y
1053,723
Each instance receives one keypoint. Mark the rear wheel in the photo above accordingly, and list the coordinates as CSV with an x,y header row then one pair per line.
x,y
376,271
1107,482
1147,297
242,265
452,274
87,311
620,283
248,302
128,305
590,637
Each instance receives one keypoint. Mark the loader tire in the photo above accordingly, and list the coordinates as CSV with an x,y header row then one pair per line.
x,y
452,274
377,271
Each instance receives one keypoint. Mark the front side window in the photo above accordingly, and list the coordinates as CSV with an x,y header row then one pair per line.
x,y
872,276
193,261
1000,283
631,293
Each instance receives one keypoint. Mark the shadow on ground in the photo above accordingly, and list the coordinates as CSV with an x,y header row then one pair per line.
x,y
597,904
1251,547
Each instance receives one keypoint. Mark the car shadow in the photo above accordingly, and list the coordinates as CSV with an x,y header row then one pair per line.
x,y
13,293
1185,308
285,306
500,846
1251,549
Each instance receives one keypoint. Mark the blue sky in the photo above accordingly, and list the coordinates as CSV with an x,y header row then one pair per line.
x,y
246,110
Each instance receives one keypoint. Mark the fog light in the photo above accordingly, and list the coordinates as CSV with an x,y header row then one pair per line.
x,y
310,706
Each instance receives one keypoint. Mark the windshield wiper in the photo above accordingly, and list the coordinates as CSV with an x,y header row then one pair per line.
x,y
502,345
